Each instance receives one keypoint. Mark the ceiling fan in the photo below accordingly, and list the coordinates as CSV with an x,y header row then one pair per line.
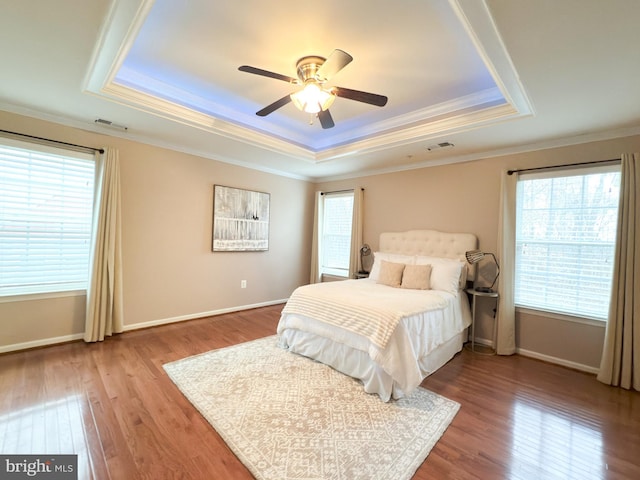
x,y
314,97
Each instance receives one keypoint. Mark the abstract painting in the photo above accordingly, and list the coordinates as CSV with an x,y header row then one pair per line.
x,y
240,220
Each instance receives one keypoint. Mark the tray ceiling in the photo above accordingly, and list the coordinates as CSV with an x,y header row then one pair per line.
x,y
482,77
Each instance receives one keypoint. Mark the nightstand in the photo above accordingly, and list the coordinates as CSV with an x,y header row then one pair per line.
x,y
360,275
475,294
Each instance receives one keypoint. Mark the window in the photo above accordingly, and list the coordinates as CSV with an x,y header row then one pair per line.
x,y
46,206
336,233
565,240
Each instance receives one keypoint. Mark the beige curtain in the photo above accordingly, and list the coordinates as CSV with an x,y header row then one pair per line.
x,y
315,276
505,341
356,232
620,364
104,293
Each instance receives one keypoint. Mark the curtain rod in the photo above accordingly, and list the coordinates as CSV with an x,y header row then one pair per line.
x,y
53,141
340,191
511,172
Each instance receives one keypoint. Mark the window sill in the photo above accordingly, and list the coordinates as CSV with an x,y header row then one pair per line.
x,y
327,277
560,316
28,297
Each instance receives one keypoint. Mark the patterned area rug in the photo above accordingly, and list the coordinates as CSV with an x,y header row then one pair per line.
x,y
288,417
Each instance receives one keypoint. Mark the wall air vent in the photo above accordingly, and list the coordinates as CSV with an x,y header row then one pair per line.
x,y
108,123
437,146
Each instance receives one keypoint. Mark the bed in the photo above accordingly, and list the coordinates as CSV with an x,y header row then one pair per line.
x,y
396,327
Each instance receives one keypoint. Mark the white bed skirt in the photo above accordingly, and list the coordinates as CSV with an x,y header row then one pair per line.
x,y
358,364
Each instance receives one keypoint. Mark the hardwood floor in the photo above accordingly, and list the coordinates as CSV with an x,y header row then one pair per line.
x,y
113,405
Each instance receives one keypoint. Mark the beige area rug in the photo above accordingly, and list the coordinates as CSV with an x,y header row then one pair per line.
x,y
288,417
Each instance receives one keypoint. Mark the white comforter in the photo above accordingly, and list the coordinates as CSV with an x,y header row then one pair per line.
x,y
347,315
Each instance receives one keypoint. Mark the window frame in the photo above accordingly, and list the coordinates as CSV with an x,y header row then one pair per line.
x,y
70,288
572,171
332,271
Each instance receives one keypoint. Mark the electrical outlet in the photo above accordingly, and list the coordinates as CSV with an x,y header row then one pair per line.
x,y
243,284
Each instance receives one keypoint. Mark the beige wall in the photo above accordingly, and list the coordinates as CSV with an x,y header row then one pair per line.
x,y
465,197
170,272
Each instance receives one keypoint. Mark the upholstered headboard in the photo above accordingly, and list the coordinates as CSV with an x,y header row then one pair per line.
x,y
430,243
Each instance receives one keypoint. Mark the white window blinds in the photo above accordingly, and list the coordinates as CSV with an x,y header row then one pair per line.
x,y
565,240
336,233
46,204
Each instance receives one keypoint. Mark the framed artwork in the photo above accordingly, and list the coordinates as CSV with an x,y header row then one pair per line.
x,y
240,220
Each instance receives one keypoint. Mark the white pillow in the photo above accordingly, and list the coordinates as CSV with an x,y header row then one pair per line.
x,y
447,274
388,257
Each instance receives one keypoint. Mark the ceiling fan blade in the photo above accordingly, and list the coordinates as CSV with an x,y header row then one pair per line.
x,y
274,106
358,96
325,119
267,73
332,65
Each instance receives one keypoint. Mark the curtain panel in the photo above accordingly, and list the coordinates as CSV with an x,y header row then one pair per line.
x,y
104,309
505,341
356,232
620,364
315,276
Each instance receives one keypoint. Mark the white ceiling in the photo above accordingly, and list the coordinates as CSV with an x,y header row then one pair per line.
x,y
490,77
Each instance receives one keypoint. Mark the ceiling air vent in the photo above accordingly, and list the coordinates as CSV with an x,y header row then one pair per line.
x,y
437,146
108,123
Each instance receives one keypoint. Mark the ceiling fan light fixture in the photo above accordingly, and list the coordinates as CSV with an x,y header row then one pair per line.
x,y
312,98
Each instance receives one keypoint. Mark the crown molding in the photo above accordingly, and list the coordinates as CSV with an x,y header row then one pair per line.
x,y
90,126
187,116
483,32
475,156
494,153
458,115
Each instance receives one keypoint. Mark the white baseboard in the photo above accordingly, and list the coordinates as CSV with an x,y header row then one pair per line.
x,y
546,358
164,321
45,342
483,341
557,361
193,316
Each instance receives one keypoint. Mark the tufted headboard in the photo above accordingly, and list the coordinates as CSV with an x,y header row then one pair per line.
x,y
430,243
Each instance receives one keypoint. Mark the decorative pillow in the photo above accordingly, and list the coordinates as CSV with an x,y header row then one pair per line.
x,y
388,257
417,277
390,273
447,274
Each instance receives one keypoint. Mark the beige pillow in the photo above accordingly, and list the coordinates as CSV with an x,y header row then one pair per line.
x,y
417,277
388,257
390,273
446,273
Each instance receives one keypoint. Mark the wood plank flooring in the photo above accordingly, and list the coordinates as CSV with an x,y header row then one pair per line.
x,y
113,405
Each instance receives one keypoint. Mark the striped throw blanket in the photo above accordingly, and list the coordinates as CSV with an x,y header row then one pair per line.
x,y
361,306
